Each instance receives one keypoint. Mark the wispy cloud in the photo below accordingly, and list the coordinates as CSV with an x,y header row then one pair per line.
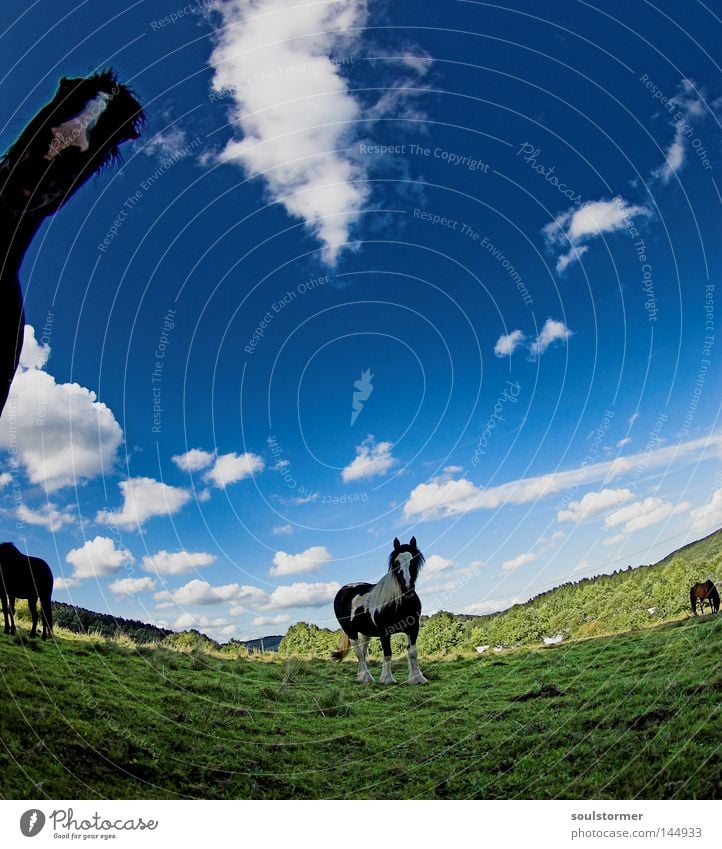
x,y
688,106
593,504
372,459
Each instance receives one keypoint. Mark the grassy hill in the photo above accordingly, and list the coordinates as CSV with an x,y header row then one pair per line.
x,y
632,715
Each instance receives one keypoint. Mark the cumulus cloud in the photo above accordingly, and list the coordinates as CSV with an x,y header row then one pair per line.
x,y
688,108
594,503
492,605
552,331
144,498
372,458
442,497
49,516
302,595
640,515
231,468
194,460
176,562
281,619
293,107
310,560
708,517
435,564
570,231
62,433
516,562
98,558
506,345
132,586
202,593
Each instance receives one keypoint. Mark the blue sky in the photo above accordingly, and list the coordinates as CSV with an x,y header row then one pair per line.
x,y
372,270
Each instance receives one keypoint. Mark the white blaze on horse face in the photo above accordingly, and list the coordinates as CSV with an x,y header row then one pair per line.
x,y
404,560
74,131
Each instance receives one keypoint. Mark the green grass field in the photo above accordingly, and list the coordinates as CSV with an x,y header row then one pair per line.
x,y
634,715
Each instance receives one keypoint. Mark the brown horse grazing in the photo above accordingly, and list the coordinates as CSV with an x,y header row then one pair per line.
x,y
22,576
704,592
71,138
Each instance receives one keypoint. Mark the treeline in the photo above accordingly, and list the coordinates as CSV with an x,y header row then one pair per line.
x,y
606,604
82,621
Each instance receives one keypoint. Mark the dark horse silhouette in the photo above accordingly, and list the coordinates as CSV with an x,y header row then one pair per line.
x,y
22,576
72,137
704,592
380,610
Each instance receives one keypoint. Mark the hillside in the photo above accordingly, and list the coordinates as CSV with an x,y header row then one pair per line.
x,y
633,715
606,604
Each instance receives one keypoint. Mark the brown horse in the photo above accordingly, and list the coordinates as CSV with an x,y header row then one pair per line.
x,y
22,576
704,592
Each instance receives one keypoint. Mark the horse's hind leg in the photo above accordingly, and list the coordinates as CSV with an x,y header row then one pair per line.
x,y
386,675
4,602
361,646
11,606
33,605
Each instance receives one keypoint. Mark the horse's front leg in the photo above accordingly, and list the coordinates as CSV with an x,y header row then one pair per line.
x,y
360,646
386,675
11,605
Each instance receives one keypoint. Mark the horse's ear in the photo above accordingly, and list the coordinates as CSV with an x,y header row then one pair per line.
x,y
412,544
397,544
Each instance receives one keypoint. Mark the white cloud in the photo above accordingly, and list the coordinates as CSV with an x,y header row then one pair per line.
x,y
176,562
552,331
217,629
594,503
435,564
492,605
132,586
642,514
571,230
443,497
231,468
623,442
62,433
48,516
293,108
194,460
302,595
201,592
690,107
5,479
63,584
372,458
281,619
516,562
144,498
506,345
98,558
310,560
709,516
170,143
282,530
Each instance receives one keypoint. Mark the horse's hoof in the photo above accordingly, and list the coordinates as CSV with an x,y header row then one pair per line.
x,y
418,679
365,679
389,680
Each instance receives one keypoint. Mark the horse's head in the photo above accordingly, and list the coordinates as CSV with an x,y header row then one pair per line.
x,y
405,562
70,138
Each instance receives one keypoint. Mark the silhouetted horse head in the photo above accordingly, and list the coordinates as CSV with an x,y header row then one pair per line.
x,y
75,135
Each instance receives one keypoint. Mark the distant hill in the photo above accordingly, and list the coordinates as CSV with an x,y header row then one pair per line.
x,y
79,620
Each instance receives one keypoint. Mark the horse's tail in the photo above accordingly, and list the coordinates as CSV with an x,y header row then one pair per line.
x,y
46,607
693,599
343,648
714,596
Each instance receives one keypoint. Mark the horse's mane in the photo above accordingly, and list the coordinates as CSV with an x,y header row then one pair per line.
x,y
387,592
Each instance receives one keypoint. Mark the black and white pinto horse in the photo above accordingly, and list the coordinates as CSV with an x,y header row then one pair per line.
x,y
75,135
380,610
